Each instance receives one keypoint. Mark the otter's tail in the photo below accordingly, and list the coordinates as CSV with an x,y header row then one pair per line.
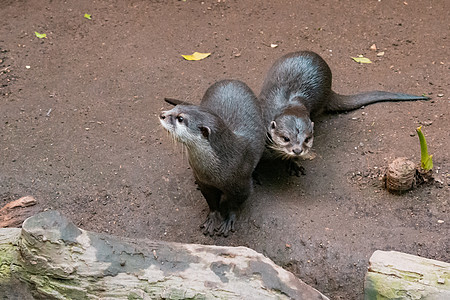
x,y
349,102
176,101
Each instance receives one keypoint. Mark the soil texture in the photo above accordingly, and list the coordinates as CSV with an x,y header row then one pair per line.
x,y
79,126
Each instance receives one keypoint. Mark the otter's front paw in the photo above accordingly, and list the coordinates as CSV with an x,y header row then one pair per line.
x,y
212,223
227,225
294,168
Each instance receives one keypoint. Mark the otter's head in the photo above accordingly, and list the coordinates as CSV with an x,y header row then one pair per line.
x,y
291,136
187,124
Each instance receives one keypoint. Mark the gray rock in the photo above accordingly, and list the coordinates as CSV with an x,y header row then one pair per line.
x,y
61,261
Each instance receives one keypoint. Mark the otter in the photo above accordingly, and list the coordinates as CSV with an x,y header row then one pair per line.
x,y
296,89
225,138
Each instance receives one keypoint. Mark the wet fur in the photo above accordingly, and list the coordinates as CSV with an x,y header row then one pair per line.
x,y
224,137
297,88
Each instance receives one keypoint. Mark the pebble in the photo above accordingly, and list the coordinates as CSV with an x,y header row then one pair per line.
x,y
440,95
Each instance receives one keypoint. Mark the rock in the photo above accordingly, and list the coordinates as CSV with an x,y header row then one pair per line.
x,y
58,260
396,275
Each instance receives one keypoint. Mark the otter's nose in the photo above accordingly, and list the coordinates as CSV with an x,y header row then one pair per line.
x,y
162,116
297,151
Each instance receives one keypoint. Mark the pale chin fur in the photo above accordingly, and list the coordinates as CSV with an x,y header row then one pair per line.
x,y
182,135
303,155
284,154
166,126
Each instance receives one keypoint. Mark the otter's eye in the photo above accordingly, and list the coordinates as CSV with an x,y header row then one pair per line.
x,y
286,139
180,119
307,140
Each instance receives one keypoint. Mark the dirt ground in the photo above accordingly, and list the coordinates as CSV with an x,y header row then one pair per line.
x,y
79,128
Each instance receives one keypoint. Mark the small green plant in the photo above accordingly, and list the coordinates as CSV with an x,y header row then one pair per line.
x,y
426,160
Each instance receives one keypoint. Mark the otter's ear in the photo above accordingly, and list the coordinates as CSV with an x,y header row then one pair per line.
x,y
273,124
205,130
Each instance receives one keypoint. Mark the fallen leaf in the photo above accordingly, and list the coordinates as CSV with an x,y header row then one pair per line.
x,y
362,60
40,35
310,155
88,16
196,56
236,52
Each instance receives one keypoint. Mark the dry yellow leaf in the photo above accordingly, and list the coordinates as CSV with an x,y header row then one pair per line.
x,y
40,35
362,60
196,56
